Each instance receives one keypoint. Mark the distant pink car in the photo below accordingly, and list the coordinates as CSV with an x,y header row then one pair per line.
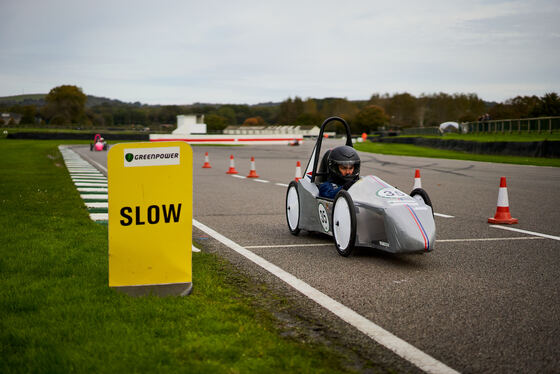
x,y
99,144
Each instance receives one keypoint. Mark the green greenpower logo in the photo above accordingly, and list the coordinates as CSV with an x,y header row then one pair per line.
x,y
153,156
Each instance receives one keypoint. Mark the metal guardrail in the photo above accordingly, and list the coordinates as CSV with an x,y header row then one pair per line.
x,y
529,125
526,125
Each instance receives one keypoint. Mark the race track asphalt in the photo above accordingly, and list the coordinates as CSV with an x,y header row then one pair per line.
x,y
486,300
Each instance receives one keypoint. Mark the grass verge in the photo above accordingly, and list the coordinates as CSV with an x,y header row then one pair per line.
x,y
58,315
417,151
496,137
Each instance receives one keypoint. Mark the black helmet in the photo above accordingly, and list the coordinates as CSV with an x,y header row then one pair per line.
x,y
343,155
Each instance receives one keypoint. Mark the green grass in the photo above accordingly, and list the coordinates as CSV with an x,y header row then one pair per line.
x,y
416,151
58,315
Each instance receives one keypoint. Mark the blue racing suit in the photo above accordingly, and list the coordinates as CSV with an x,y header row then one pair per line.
x,y
329,189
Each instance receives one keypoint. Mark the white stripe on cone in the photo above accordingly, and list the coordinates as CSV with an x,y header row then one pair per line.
x,y
503,197
231,166
503,216
417,180
206,162
298,171
253,171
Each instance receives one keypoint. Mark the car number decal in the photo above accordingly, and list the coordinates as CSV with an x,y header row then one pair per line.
x,y
323,217
393,194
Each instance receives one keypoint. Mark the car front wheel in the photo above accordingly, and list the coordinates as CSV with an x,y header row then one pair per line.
x,y
292,208
344,223
421,195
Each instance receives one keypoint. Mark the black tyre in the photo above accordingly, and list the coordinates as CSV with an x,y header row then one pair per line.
x,y
420,194
293,212
343,225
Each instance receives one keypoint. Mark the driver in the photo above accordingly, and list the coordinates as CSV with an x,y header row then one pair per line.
x,y
343,171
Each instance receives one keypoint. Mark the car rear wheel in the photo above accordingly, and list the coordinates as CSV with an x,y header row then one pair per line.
x,y
344,223
421,195
292,208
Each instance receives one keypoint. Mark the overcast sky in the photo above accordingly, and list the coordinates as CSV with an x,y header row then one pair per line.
x,y
181,52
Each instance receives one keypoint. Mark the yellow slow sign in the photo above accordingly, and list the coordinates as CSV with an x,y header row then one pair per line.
x,y
150,214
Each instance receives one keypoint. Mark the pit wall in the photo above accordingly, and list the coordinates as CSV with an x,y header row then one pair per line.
x,y
228,139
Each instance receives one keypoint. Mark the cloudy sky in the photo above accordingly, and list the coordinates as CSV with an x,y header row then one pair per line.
x,y
183,51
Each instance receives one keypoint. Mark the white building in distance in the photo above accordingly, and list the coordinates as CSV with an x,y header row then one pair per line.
x,y
277,130
190,124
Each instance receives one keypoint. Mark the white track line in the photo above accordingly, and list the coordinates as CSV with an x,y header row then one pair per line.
x,y
526,232
377,333
437,241
487,239
443,215
290,245
281,184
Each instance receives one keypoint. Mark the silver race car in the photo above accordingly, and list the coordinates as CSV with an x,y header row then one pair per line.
x,y
371,213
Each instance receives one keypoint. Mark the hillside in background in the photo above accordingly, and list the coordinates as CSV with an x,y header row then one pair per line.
x,y
30,99
39,100
72,108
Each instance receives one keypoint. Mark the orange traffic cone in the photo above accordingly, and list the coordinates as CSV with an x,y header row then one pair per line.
x,y
298,171
206,162
231,166
253,172
502,211
417,180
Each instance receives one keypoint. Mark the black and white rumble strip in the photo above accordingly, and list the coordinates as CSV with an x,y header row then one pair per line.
x,y
90,182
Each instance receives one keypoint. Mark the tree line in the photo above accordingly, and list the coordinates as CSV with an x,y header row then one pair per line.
x,y
68,106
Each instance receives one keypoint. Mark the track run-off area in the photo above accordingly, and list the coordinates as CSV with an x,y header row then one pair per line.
x,y
487,299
